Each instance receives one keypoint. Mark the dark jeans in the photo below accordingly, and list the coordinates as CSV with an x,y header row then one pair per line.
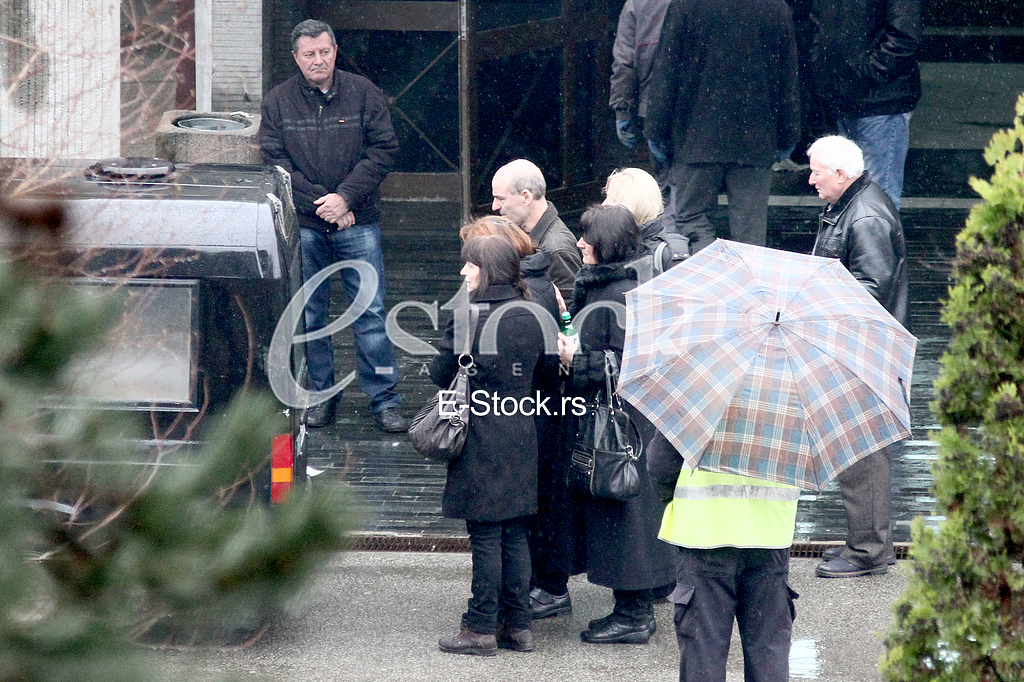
x,y
375,356
697,186
716,586
501,576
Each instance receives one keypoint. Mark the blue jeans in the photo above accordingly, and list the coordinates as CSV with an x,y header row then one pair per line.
x,y
375,356
501,576
884,141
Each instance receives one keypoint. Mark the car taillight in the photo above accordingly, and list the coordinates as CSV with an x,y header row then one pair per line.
x,y
282,461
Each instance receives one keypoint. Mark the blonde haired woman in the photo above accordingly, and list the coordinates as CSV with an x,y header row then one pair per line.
x,y
636,190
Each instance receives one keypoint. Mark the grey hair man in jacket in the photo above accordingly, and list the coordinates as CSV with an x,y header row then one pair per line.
x,y
331,130
861,227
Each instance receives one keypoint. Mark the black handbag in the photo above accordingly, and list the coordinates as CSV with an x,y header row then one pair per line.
x,y
438,431
608,445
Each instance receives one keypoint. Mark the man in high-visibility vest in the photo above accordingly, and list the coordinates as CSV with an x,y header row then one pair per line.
x,y
733,535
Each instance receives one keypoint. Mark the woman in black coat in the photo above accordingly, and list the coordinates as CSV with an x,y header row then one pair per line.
x,y
552,532
493,483
621,539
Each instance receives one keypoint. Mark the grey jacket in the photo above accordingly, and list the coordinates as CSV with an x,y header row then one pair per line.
x,y
863,231
636,41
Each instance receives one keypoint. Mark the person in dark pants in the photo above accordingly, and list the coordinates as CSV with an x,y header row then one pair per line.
x,y
866,75
861,227
493,483
332,132
723,105
621,548
733,535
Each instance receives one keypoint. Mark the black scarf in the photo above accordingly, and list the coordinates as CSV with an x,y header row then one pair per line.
x,y
594,276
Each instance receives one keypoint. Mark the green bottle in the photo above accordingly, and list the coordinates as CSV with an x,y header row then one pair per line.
x,y
569,330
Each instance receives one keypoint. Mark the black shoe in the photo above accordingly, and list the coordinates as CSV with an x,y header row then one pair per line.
x,y
599,623
543,604
835,552
469,642
617,632
390,420
841,568
516,640
321,415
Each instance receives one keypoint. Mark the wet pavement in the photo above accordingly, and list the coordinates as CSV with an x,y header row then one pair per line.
x,y
398,493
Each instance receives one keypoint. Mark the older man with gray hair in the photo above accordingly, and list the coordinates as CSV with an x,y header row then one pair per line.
x,y
518,190
861,227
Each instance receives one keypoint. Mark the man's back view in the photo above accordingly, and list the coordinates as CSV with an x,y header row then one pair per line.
x,y
724,100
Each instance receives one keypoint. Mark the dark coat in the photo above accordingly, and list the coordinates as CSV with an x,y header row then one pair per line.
x,y
534,269
550,234
495,478
622,549
864,56
338,141
724,85
864,232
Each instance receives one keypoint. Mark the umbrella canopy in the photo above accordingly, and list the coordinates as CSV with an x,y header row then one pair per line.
x,y
766,363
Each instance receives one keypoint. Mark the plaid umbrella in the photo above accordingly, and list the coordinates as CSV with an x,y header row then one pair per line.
x,y
768,364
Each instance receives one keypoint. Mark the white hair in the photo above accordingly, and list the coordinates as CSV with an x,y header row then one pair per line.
x,y
835,152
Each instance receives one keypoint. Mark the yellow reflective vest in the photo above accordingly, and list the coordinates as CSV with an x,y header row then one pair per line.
x,y
724,510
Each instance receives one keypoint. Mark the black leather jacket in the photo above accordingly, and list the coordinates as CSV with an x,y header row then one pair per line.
x,y
864,56
863,231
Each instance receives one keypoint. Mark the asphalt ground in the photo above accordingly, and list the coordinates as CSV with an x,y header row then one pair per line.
x,y
376,617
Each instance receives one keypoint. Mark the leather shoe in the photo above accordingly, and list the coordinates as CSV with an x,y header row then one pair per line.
x,y
836,552
390,420
321,415
841,568
617,632
599,623
543,604
516,640
469,642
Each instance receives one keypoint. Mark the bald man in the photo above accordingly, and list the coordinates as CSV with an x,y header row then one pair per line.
x,y
518,190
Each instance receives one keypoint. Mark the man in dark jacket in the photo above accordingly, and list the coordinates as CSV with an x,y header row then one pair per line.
x,y
332,132
724,104
636,42
865,70
861,227
518,190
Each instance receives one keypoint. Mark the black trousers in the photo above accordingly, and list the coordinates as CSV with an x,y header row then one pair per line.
x,y
697,186
715,587
501,576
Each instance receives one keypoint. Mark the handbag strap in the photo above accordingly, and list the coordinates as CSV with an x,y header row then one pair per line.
x,y
466,341
611,369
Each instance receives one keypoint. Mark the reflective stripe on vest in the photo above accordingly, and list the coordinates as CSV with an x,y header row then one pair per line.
x,y
724,510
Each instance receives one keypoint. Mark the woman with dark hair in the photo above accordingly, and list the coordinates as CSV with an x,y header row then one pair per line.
x,y
533,264
552,527
621,545
493,483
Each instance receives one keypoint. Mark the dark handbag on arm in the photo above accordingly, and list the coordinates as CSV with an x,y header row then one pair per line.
x,y
438,431
608,445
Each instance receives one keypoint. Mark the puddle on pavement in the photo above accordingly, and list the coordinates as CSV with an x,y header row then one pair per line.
x,y
803,660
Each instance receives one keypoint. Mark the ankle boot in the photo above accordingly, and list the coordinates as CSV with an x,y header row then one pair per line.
x,y
469,642
516,640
